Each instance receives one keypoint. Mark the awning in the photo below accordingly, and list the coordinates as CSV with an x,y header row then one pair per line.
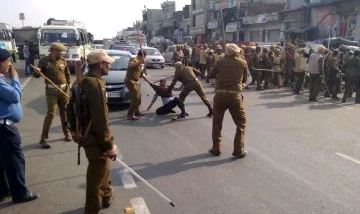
x,y
302,30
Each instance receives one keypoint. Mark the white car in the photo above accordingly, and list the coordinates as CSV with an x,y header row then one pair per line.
x,y
153,58
168,54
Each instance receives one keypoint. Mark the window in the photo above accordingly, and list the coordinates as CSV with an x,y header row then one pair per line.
x,y
193,3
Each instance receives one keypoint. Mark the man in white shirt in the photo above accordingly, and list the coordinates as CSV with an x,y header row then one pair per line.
x,y
316,71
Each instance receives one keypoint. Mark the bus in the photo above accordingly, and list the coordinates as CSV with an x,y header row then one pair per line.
x,y
136,39
72,34
7,40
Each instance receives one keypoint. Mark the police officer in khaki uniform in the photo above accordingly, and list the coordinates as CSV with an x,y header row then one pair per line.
x,y
352,77
187,75
256,64
230,73
55,68
98,143
333,74
132,82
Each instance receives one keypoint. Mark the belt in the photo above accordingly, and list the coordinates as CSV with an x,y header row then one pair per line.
x,y
6,122
194,80
60,86
227,91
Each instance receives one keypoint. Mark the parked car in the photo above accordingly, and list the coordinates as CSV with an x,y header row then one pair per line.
x,y
98,46
116,90
168,54
153,58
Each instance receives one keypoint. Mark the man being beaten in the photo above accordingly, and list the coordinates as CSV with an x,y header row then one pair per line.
x,y
169,101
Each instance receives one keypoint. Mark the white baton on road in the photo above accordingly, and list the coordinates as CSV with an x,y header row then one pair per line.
x,y
145,182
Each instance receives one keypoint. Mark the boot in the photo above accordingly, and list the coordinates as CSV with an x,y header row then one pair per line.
x,y
215,150
239,150
44,144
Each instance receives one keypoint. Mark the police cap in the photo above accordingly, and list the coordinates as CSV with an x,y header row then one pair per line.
x,y
57,47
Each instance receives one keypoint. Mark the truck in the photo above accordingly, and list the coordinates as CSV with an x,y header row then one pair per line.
x,y
72,34
133,37
27,34
7,40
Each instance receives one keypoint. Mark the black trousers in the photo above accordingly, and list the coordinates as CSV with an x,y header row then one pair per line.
x,y
12,163
166,109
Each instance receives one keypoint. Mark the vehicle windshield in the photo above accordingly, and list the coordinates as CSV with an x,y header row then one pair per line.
x,y
64,36
121,62
152,52
131,49
5,34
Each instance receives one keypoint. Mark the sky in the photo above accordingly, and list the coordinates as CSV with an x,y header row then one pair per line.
x,y
102,18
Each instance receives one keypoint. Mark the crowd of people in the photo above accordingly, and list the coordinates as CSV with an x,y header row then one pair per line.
x,y
331,71
230,64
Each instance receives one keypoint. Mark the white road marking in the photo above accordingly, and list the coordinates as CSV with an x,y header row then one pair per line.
x,y
139,206
348,157
23,85
127,179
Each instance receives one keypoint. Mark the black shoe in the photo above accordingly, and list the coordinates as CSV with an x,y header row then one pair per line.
x,y
343,101
215,152
187,114
182,115
106,202
241,155
4,197
67,139
172,111
44,144
210,114
335,98
28,197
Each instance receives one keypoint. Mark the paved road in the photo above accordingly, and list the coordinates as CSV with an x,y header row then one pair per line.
x,y
303,158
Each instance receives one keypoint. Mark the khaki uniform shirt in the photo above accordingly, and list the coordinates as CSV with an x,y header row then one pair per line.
x,y
218,56
185,75
276,63
332,64
229,73
94,104
256,61
300,63
134,74
57,71
352,67
203,54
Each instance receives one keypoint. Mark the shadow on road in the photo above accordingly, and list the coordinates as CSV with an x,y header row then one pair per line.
x,y
302,99
55,180
6,204
149,170
151,120
76,211
120,107
38,104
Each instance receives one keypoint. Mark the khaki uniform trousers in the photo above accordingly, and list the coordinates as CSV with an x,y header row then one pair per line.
x,y
315,86
135,91
194,86
98,182
55,99
233,102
